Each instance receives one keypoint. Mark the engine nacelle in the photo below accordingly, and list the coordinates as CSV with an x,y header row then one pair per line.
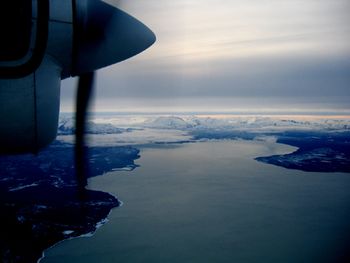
x,y
49,40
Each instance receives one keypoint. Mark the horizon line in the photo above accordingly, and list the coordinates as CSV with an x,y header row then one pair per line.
x,y
333,113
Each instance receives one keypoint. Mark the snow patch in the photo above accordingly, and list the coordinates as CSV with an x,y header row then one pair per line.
x,y
22,187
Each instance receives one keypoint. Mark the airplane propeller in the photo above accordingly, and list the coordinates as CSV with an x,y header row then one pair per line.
x,y
84,91
106,35
49,41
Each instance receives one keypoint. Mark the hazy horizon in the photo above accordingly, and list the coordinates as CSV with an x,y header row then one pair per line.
x,y
301,113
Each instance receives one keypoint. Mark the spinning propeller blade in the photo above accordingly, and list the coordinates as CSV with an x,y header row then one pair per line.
x,y
104,35
85,89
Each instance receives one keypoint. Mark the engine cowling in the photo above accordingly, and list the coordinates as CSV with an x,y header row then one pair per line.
x,y
82,36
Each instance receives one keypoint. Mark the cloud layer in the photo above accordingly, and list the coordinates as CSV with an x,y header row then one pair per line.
x,y
236,52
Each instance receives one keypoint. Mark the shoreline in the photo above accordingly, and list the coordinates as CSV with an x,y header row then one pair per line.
x,y
87,235
295,139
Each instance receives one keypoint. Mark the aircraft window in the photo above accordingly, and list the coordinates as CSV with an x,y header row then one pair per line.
x,y
15,29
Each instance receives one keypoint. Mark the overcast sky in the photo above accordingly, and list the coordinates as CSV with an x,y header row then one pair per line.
x,y
216,55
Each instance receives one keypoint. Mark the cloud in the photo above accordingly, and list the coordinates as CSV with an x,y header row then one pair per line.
x,y
288,51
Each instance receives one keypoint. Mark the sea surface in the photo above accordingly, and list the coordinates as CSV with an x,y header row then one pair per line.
x,y
212,202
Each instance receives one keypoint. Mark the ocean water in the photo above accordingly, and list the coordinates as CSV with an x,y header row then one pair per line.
x,y
212,202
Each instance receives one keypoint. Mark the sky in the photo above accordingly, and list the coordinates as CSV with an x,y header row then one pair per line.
x,y
232,56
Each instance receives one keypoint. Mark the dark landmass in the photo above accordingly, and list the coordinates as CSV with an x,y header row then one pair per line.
x,y
39,201
319,151
223,134
36,218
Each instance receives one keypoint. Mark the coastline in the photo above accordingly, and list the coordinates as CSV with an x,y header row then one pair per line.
x,y
87,235
121,158
36,218
237,193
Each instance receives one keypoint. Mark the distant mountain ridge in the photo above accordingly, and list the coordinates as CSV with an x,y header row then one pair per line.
x,y
67,127
249,122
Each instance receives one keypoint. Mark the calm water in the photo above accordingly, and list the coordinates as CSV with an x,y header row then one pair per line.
x,y
212,202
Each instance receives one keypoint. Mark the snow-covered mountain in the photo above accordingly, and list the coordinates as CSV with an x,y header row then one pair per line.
x,y
67,127
168,122
116,124
265,123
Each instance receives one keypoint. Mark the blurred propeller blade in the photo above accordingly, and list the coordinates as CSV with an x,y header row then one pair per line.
x,y
103,35
85,89
106,35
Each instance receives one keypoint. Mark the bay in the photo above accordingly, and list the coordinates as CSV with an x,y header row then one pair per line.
x,y
212,202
